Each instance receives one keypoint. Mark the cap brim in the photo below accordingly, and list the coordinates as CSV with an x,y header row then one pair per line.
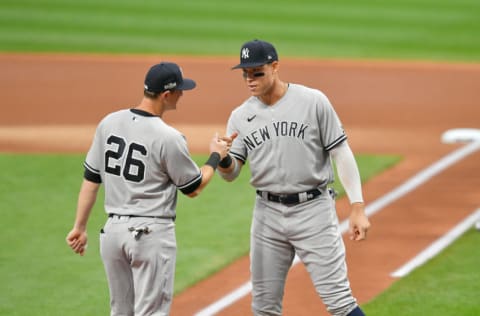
x,y
187,84
249,65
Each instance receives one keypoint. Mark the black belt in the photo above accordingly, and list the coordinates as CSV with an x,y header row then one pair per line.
x,y
287,199
145,216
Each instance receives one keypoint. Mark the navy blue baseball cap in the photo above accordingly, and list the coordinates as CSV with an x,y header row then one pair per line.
x,y
256,53
167,76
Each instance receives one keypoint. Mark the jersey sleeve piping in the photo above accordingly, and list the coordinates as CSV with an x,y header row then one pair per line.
x,y
238,156
87,166
337,142
191,186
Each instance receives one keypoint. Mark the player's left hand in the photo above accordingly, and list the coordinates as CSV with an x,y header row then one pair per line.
x,y
358,222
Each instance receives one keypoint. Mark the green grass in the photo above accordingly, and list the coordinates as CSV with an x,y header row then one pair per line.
x,y
41,276
373,29
448,284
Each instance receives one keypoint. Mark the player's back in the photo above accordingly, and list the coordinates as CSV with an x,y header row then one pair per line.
x,y
134,146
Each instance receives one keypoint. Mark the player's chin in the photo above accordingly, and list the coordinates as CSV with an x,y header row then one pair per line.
x,y
255,92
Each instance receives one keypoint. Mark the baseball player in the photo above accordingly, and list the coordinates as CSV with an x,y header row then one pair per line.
x,y
142,162
290,133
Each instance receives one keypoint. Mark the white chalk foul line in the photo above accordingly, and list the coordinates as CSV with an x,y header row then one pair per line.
x,y
371,209
436,247
227,300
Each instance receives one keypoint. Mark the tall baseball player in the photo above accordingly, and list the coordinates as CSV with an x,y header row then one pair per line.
x,y
290,133
142,162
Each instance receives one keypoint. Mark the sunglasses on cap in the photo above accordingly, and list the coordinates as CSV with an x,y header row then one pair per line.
x,y
257,74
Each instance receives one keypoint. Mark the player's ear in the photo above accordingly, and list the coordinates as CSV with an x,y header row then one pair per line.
x,y
275,66
165,94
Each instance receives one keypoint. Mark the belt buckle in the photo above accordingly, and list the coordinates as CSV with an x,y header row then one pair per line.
x,y
289,199
282,199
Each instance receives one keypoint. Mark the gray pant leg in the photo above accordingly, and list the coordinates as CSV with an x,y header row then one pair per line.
x,y
319,245
271,257
140,272
119,274
153,268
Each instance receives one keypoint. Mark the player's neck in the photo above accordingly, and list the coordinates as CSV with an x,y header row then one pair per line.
x,y
276,92
151,106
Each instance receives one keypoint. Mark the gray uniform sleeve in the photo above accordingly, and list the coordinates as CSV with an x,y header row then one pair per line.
x,y
331,129
238,149
95,158
182,170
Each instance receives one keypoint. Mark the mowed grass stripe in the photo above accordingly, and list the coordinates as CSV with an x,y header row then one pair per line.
x,y
367,29
119,21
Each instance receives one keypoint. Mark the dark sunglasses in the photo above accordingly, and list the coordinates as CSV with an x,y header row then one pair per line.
x,y
255,74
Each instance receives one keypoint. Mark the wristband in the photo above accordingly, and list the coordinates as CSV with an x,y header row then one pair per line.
x,y
225,162
213,160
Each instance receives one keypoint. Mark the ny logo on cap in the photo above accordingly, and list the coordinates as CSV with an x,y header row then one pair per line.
x,y
245,53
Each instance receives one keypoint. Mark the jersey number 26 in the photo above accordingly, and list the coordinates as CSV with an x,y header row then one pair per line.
x,y
134,169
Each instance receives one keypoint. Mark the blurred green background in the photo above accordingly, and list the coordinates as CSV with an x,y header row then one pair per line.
x,y
378,29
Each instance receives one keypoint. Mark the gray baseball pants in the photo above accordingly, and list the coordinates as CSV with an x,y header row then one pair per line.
x,y
140,270
311,231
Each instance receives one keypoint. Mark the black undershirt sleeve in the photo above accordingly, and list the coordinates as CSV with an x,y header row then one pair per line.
x,y
91,176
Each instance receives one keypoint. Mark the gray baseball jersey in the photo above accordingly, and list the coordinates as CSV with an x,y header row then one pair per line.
x,y
287,146
140,173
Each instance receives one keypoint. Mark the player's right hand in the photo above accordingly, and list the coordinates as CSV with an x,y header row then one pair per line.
x,y
229,139
77,240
